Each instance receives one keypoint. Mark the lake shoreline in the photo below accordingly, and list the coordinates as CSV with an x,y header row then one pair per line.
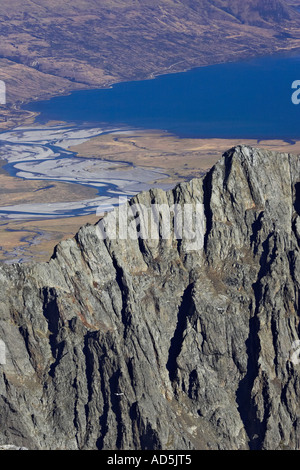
x,y
154,75
229,100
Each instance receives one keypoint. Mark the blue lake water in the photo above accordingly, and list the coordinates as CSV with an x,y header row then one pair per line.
x,y
248,99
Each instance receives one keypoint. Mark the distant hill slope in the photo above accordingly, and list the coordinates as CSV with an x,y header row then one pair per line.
x,y
255,12
50,47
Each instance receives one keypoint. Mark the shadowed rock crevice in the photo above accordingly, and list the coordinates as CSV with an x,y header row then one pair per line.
x,y
185,309
146,437
125,293
103,418
256,228
246,405
297,198
207,187
115,396
89,378
52,315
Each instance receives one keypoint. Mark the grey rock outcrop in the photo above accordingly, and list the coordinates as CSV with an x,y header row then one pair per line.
x,y
11,447
145,344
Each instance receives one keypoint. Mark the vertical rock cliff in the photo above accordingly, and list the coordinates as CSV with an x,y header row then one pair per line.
x,y
145,344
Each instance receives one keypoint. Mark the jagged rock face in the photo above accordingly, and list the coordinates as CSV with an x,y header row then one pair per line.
x,y
143,344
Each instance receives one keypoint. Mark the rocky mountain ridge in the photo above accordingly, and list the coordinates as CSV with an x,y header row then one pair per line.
x,y
145,344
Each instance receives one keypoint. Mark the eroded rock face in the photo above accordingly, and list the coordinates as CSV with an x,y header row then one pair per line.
x,y
144,344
